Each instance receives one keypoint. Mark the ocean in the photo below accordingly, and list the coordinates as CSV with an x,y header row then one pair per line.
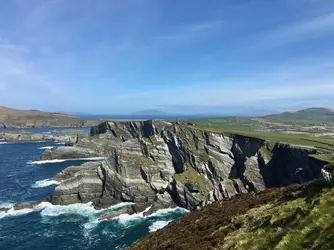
x,y
50,226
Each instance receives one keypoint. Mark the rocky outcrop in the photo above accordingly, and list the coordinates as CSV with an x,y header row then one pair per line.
x,y
78,184
165,164
33,137
66,153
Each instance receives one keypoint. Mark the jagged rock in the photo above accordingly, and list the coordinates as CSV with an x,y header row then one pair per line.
x,y
33,137
166,164
78,184
67,153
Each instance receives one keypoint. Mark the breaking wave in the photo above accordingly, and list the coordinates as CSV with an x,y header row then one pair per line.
x,y
45,183
48,147
6,205
63,160
158,225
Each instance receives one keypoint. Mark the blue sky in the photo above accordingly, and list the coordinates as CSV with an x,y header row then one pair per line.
x,y
119,56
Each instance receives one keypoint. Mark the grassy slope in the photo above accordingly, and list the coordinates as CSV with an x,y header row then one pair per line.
x,y
311,116
29,118
295,217
296,139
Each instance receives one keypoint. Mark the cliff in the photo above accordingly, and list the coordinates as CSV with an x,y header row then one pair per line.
x,y
170,164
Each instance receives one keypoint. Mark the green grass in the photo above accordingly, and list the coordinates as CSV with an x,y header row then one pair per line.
x,y
279,226
266,153
139,159
299,140
324,157
191,176
20,132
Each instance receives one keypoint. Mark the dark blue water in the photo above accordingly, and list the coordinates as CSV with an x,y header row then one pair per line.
x,y
59,227
52,130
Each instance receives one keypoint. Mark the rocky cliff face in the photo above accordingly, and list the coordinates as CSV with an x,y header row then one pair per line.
x,y
166,164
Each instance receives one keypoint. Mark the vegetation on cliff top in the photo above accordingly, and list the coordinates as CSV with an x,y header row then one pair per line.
x,y
295,217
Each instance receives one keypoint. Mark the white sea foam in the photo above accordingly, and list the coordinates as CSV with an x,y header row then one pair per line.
x,y
48,147
85,209
44,162
63,160
164,211
6,205
158,225
49,210
3,142
60,143
12,212
45,183
127,219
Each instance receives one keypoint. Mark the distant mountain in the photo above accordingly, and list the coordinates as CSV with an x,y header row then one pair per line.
x,y
33,118
151,112
313,115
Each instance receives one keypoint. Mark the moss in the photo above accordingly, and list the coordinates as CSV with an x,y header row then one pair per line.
x,y
155,141
253,173
119,131
191,176
191,144
266,153
139,159
229,185
323,157
20,132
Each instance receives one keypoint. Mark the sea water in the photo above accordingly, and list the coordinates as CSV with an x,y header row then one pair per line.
x,y
48,226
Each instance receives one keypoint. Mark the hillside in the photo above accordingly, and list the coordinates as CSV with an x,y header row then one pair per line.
x,y
306,121
34,118
150,112
316,116
295,217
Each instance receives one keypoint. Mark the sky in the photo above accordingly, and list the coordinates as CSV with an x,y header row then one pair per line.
x,y
189,56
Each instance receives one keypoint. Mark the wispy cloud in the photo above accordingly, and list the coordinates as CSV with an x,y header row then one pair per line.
x,y
186,31
304,79
319,26
18,72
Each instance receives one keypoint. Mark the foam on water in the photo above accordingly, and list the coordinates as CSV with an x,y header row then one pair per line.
x,y
6,205
126,219
83,209
45,183
63,160
12,212
165,211
3,142
50,210
48,147
158,225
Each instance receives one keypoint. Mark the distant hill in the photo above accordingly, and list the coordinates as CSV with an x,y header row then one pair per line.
x,y
150,112
33,118
310,115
